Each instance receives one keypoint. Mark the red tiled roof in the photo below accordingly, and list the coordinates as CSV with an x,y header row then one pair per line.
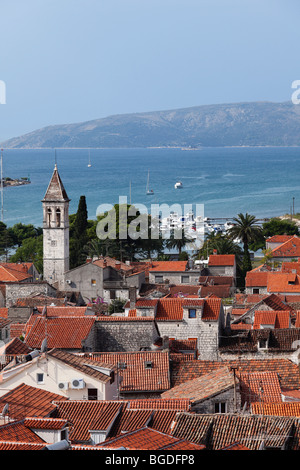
x,y
221,260
297,321
275,319
279,238
288,249
62,332
290,266
201,388
112,262
12,274
169,266
183,370
256,278
211,310
25,400
45,423
169,309
17,431
276,409
283,282
58,311
149,439
86,415
3,312
179,404
135,375
260,386
14,347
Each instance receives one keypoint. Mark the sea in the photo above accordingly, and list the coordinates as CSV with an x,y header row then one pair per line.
x,y
264,182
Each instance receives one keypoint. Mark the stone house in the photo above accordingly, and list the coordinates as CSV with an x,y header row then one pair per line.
x,y
70,375
222,265
172,272
186,319
215,392
103,278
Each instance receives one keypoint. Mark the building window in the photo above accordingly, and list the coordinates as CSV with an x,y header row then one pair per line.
x,y
92,394
159,279
262,344
93,282
192,313
53,243
220,407
185,279
49,214
255,290
40,378
58,217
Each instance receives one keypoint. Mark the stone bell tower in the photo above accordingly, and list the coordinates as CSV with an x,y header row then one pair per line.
x,y
55,231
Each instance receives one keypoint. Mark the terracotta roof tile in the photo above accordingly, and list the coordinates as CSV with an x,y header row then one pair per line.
x,y
272,319
25,400
221,260
135,373
279,238
276,409
201,388
169,266
287,371
17,431
260,386
221,430
149,439
290,248
13,274
62,332
87,415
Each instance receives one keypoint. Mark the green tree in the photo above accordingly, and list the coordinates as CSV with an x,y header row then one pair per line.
x,y
78,234
178,242
20,232
247,230
31,250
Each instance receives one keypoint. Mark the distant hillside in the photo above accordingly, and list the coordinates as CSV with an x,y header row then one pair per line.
x,y
237,124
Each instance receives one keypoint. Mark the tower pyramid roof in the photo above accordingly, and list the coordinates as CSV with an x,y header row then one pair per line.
x,y
56,190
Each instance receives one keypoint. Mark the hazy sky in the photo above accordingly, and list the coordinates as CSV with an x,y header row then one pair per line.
x,y
66,61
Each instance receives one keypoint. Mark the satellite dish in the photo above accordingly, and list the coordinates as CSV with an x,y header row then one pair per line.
x,y
5,410
44,345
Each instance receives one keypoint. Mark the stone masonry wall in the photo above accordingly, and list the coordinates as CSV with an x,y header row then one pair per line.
x,y
125,335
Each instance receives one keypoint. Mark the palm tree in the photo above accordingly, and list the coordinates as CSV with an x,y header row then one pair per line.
x,y
178,243
246,229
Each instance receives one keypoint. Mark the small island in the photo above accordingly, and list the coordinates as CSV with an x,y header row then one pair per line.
x,y
15,182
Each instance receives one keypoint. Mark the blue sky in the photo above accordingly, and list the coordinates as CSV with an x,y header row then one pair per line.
x,y
66,61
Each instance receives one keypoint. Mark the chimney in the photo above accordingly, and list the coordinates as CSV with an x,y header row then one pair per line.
x,y
215,252
118,265
132,297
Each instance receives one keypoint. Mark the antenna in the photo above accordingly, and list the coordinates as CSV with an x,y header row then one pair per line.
x,y
55,159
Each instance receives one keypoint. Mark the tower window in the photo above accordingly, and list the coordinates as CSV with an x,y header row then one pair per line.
x,y
49,213
58,218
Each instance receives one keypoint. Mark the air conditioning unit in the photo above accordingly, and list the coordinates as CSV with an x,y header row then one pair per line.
x,y
68,281
77,383
63,385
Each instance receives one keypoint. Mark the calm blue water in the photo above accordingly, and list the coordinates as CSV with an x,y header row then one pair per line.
x,y
260,181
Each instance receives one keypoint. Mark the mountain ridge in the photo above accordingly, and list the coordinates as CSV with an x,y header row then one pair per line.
x,y
259,123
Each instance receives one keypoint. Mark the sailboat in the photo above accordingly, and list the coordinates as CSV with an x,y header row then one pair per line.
x,y
149,192
89,164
